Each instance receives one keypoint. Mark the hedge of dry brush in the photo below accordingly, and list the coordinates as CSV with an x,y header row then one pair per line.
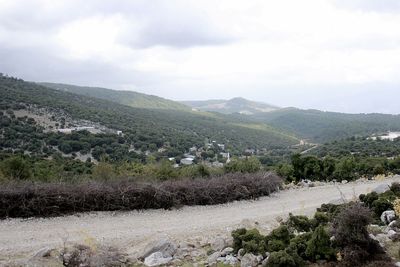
x,y
43,200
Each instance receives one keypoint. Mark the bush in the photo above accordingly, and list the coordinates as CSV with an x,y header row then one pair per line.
x,y
319,246
395,188
299,223
28,199
350,226
279,238
250,240
351,236
15,168
368,199
281,259
299,244
320,218
380,205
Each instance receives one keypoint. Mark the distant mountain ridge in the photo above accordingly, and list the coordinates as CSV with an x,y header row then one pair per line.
x,y
234,105
128,98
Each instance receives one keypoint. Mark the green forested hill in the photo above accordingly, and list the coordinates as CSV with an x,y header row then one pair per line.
x,y
129,98
319,126
234,105
180,130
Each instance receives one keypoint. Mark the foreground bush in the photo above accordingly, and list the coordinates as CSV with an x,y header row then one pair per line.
x,y
351,236
28,199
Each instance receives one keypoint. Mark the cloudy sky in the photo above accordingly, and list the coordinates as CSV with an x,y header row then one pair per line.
x,y
340,55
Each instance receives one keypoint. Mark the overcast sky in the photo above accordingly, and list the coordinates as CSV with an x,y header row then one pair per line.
x,y
340,55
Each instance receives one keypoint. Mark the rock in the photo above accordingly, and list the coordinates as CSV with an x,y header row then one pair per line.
x,y
213,257
381,188
397,264
156,259
43,253
265,261
345,182
382,239
230,260
391,233
260,258
240,254
249,260
218,244
393,225
166,246
388,216
226,251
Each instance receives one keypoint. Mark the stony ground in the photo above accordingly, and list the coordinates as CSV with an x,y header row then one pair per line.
x,y
130,232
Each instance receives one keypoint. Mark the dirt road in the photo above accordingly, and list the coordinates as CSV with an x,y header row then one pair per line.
x,y
133,229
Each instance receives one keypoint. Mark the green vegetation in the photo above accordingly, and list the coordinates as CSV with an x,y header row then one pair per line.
x,y
128,98
145,128
234,105
340,168
379,203
319,126
359,146
339,239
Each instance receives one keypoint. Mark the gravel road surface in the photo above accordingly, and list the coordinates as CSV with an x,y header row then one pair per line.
x,y
131,230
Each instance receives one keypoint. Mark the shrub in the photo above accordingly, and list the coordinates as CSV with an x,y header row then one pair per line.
x,y
331,210
368,199
299,223
380,205
351,236
15,168
395,188
320,218
319,246
250,240
279,238
299,244
281,259
350,226
29,199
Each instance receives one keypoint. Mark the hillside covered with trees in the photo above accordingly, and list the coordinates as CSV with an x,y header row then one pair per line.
x,y
128,98
318,126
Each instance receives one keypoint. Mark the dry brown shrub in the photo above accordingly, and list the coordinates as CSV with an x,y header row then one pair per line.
x,y
54,199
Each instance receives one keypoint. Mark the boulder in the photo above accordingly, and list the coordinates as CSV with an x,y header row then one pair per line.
x,y
388,216
381,188
156,259
218,244
226,251
230,260
345,182
165,245
240,253
249,260
213,257
43,253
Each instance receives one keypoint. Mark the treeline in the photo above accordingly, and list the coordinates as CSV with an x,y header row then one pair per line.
x,y
340,168
360,146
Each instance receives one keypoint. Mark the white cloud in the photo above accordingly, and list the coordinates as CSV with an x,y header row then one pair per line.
x,y
179,49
